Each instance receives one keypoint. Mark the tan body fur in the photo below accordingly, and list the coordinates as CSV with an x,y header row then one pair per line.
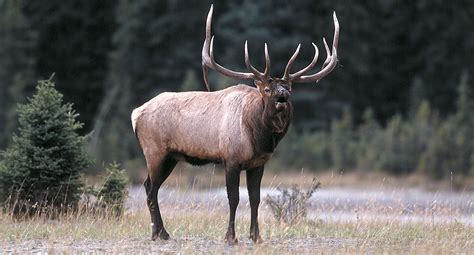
x,y
211,126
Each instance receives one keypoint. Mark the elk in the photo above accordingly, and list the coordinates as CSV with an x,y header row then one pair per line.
x,y
239,127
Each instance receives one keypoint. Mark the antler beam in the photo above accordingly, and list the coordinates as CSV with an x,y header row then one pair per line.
x,y
328,65
209,61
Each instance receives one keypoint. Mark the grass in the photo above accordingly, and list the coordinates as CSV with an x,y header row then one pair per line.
x,y
200,226
209,176
203,230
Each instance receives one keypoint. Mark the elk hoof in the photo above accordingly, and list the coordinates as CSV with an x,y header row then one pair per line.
x,y
230,238
231,241
257,240
163,235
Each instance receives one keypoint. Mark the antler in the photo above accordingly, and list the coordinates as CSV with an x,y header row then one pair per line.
x,y
208,59
328,65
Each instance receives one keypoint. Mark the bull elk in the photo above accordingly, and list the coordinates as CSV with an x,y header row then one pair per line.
x,y
238,127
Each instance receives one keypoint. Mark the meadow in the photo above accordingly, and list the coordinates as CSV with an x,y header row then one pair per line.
x,y
341,218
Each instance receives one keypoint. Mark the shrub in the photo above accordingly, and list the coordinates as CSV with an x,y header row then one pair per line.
x,y
291,205
452,149
43,165
305,150
342,142
369,142
113,193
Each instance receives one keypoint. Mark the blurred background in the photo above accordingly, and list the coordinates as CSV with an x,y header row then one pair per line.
x,y
400,101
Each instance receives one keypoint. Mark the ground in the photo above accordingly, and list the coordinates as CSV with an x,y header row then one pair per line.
x,y
342,218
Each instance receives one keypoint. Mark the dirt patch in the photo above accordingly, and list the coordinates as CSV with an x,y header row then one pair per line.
x,y
181,245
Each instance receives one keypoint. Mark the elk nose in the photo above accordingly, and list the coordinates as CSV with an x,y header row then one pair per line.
x,y
284,93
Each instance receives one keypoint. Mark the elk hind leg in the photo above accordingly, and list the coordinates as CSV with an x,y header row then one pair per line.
x,y
158,171
232,183
254,178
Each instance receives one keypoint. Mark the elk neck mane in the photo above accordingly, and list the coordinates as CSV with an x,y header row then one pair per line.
x,y
267,126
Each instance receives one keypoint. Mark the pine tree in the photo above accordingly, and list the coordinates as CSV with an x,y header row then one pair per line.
x,y
368,142
452,150
393,157
43,165
113,193
342,142
16,64
190,81
74,41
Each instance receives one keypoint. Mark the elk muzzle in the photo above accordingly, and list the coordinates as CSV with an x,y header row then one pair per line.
x,y
282,99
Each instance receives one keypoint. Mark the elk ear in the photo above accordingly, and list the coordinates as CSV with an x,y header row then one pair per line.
x,y
258,83
260,86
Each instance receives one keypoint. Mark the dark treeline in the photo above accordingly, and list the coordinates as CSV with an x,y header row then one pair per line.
x,y
111,56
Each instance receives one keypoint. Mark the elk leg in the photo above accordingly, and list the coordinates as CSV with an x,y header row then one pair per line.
x,y
156,176
232,179
254,178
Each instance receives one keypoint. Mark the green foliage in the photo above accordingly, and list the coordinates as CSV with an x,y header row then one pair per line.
x,y
369,142
452,149
113,193
306,150
423,142
190,82
399,154
74,40
111,57
342,142
16,65
43,165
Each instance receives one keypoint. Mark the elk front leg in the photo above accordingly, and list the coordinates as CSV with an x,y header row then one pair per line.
x,y
254,178
156,176
232,182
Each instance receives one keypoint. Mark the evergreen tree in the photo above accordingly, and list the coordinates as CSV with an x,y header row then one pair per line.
x,y
452,149
190,81
393,158
43,165
342,143
74,41
305,150
368,142
442,46
113,193
16,64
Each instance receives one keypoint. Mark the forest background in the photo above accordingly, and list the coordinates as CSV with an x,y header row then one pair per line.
x,y
400,101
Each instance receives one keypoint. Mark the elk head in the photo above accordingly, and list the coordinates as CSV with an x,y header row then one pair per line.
x,y
273,90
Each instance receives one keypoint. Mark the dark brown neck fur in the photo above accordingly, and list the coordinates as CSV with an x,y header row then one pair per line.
x,y
267,125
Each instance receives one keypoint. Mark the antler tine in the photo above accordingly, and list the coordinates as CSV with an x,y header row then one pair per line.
x,y
330,62
267,62
205,48
286,75
260,75
208,57
211,50
328,53
308,67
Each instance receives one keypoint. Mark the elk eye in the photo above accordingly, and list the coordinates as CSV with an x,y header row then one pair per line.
x,y
266,89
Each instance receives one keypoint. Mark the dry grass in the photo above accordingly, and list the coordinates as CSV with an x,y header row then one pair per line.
x,y
203,230
185,176
199,226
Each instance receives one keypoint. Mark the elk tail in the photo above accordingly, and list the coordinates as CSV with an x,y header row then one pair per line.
x,y
134,118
